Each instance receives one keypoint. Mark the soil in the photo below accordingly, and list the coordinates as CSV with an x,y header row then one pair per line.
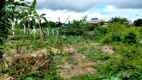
x,y
107,49
70,70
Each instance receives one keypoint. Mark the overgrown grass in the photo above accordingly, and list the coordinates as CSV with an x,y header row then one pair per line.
x,y
124,64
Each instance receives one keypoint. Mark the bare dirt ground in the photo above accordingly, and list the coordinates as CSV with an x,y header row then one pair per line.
x,y
71,70
107,49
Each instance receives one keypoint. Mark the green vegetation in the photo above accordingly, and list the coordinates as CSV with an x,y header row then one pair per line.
x,y
79,51
138,22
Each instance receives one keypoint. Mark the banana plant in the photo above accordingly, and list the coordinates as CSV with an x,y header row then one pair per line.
x,y
39,18
7,13
31,16
27,17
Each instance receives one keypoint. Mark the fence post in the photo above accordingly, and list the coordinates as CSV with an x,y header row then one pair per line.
x,y
24,29
57,32
34,30
13,29
48,31
53,32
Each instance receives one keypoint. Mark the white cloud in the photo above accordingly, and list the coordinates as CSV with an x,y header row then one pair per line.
x,y
109,8
84,5
127,13
105,13
62,14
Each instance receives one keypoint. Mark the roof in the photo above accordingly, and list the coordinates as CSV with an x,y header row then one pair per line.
x,y
95,21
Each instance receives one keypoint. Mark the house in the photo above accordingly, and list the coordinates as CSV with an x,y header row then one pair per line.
x,y
94,21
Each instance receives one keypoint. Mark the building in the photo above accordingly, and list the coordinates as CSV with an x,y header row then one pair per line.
x,y
94,21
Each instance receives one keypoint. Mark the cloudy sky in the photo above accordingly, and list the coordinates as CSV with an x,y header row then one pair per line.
x,y
102,9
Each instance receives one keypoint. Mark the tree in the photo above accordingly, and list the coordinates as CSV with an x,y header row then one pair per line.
x,y
3,26
9,10
39,18
138,22
52,24
119,20
76,27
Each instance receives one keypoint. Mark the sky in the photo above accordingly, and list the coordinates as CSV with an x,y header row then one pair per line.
x,y
102,9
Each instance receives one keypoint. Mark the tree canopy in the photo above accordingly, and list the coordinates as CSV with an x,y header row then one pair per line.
x,y
11,10
120,20
138,22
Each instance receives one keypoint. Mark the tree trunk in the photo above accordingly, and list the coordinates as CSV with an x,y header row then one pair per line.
x,y
42,36
1,53
29,27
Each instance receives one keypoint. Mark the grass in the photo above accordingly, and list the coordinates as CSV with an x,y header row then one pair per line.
x,y
68,56
77,52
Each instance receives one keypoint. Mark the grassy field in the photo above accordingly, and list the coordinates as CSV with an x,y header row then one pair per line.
x,y
110,53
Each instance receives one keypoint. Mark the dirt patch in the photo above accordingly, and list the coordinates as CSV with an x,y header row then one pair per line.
x,y
93,43
70,70
6,77
70,49
38,52
30,52
79,57
34,53
107,49
54,50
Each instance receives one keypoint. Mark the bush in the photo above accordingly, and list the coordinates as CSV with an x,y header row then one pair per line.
x,y
75,27
121,33
138,22
87,77
126,65
140,32
71,39
37,44
130,36
99,32
73,32
110,37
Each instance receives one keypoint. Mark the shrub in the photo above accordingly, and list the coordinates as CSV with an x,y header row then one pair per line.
x,y
37,44
71,39
75,27
116,37
138,22
110,37
126,65
130,36
140,32
121,33
87,77
99,32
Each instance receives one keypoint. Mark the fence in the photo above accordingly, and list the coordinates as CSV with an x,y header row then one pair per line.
x,y
47,31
